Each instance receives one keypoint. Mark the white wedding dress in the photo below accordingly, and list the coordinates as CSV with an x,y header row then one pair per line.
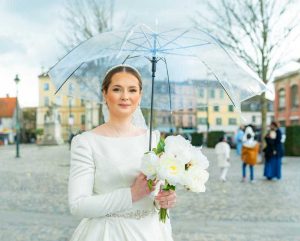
x,y
101,173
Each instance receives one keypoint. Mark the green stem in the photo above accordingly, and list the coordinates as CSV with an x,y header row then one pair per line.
x,y
163,212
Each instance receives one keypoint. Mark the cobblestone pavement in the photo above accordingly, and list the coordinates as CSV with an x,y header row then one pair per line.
x,y
33,201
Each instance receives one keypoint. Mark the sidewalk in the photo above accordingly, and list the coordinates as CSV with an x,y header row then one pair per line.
x,y
33,201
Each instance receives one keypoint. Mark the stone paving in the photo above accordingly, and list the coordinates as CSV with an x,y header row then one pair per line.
x,y
33,201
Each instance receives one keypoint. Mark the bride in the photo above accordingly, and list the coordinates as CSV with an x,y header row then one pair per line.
x,y
106,187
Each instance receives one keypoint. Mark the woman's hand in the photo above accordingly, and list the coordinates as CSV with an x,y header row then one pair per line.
x,y
140,189
166,199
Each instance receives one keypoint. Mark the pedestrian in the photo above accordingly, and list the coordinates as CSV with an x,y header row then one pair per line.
x,y
250,151
106,188
222,150
273,152
239,140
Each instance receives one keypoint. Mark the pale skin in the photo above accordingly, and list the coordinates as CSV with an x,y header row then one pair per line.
x,y
123,97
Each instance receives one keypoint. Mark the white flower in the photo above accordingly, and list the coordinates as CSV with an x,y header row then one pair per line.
x,y
171,169
178,147
198,158
195,178
149,164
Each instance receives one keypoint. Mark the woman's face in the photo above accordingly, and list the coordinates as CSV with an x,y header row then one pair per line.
x,y
123,95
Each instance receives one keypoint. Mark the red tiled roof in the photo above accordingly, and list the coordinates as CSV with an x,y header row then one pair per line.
x,y
7,106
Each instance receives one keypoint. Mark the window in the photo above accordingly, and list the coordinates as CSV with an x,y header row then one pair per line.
x,y
201,93
230,108
180,120
281,99
0,121
212,93
190,120
59,118
82,102
231,121
294,122
222,94
216,109
71,119
253,118
71,102
294,96
82,119
46,101
202,121
71,88
253,107
58,100
46,86
163,119
218,121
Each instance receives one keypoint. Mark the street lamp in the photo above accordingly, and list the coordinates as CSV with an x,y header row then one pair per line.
x,y
17,80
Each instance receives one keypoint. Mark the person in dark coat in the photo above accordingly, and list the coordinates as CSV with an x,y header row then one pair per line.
x,y
273,153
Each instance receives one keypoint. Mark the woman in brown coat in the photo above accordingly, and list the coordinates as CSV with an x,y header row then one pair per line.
x,y
250,151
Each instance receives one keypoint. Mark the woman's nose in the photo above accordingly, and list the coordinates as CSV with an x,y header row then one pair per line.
x,y
124,95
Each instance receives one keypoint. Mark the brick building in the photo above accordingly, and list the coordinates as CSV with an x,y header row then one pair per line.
x,y
287,98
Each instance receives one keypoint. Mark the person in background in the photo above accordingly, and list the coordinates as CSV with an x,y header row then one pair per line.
x,y
273,152
250,151
222,150
239,140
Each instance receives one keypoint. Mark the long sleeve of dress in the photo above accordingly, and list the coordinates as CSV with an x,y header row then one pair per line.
x,y
82,201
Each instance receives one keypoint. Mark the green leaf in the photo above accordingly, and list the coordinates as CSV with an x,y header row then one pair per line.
x,y
150,183
160,147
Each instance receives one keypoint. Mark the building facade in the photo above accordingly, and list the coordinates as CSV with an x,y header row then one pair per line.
x,y
74,114
8,117
251,111
287,98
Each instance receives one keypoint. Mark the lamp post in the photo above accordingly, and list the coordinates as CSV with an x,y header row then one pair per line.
x,y
17,80
70,120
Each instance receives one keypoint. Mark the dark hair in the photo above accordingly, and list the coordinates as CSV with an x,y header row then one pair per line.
x,y
274,123
249,136
119,69
222,138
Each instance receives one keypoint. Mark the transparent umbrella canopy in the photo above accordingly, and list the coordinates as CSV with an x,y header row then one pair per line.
x,y
176,65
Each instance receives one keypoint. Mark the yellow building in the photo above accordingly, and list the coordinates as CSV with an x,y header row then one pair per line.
x,y
221,114
74,114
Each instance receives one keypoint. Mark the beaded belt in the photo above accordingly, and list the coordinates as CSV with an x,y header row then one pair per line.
x,y
138,214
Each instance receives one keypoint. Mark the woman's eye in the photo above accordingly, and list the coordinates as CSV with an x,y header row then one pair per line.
x,y
133,90
116,89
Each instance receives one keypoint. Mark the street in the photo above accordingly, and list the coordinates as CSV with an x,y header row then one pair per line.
x,y
33,201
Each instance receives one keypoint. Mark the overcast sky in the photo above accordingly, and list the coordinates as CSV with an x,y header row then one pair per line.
x,y
29,31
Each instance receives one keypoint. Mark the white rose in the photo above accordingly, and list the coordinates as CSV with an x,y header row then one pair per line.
x,y
198,158
195,178
178,147
149,164
171,169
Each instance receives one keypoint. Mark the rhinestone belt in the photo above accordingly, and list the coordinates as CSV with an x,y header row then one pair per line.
x,y
138,214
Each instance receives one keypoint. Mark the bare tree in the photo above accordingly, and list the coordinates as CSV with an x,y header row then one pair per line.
x,y
258,31
83,20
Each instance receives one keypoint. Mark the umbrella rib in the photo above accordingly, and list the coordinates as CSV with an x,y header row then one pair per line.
x,y
220,83
186,47
168,77
177,37
148,40
68,77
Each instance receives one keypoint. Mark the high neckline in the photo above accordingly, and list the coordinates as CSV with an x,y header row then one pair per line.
x,y
118,137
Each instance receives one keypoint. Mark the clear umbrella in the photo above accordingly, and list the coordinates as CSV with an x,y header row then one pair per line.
x,y
176,64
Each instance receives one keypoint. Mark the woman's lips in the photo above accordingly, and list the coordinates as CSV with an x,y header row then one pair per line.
x,y
124,105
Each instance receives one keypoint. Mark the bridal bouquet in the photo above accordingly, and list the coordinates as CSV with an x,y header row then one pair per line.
x,y
175,161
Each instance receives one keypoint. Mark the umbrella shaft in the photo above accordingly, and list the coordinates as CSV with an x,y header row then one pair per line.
x,y
153,61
